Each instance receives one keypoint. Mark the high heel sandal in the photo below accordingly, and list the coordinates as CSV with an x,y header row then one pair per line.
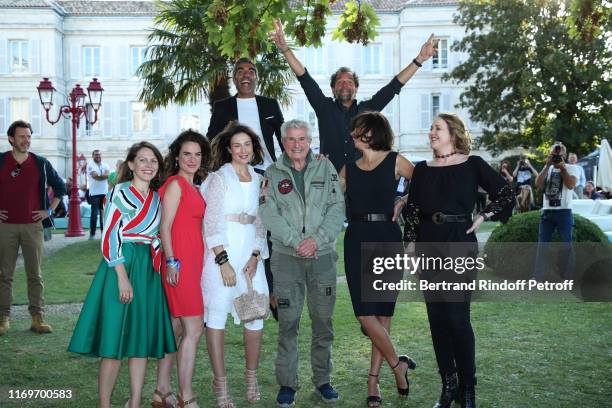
x,y
253,394
181,402
221,391
411,364
163,403
374,399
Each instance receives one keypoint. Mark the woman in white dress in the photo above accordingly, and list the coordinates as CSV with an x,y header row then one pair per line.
x,y
235,243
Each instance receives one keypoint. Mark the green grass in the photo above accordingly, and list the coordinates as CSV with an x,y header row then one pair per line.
x,y
528,355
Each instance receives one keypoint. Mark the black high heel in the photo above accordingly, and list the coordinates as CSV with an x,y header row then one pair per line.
x,y
374,399
411,365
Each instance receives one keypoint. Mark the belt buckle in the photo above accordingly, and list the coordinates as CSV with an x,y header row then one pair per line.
x,y
438,218
243,218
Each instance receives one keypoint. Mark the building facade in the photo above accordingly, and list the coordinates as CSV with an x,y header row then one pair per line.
x,y
73,41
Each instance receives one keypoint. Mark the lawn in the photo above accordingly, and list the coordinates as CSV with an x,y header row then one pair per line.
x,y
528,355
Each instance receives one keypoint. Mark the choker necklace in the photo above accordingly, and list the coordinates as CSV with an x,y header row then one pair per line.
x,y
444,156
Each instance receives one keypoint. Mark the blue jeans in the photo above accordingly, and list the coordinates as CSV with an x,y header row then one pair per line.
x,y
563,221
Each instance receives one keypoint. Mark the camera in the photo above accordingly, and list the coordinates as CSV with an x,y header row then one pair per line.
x,y
557,155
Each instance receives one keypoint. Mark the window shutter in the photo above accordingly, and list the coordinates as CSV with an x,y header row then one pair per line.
x,y
156,123
107,70
34,56
446,106
388,65
35,116
125,62
4,58
425,115
4,115
107,119
123,118
75,61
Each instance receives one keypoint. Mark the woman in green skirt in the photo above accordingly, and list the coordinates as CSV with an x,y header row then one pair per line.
x,y
125,313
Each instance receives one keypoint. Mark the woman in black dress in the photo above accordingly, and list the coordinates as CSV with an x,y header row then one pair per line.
x,y
441,199
370,185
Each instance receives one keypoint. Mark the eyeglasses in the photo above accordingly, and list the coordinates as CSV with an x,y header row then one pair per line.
x,y
16,171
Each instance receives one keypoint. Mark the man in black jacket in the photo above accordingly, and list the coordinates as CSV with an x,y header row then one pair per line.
x,y
261,114
335,114
24,212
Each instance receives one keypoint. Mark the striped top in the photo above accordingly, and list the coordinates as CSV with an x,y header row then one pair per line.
x,y
130,217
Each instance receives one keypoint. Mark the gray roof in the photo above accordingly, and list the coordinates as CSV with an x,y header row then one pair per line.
x,y
97,7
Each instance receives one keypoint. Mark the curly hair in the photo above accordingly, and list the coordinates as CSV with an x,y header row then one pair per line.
x,y
125,174
221,145
458,131
343,70
170,162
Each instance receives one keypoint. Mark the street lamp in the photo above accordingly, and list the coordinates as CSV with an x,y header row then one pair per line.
x,y
75,109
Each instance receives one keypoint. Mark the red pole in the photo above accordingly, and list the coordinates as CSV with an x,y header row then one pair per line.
x,y
75,229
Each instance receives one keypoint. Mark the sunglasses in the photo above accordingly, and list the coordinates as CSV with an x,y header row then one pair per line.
x,y
16,171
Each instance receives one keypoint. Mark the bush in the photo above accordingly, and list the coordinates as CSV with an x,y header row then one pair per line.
x,y
511,251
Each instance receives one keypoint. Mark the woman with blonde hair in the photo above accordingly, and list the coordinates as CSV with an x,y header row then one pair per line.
x,y
440,201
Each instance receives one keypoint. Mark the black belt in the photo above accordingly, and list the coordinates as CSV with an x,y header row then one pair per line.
x,y
370,217
441,218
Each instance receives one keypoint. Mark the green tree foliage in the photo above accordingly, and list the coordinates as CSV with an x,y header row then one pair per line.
x,y
538,71
194,42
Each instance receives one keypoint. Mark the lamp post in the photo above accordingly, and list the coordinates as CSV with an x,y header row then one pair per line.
x,y
75,109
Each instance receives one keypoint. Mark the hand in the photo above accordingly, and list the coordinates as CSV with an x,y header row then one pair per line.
x,y
3,215
560,165
172,274
477,221
307,248
126,294
320,156
250,268
428,49
228,275
273,302
397,208
265,187
278,36
39,215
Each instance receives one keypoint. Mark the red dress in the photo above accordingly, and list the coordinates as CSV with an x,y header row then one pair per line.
x,y
185,299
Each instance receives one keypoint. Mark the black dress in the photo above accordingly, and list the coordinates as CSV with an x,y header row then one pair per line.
x,y
369,192
451,190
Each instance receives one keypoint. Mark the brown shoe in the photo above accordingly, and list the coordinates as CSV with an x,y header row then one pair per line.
x,y
5,324
39,326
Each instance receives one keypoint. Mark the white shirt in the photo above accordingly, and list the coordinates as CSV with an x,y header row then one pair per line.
x,y
565,195
97,187
248,114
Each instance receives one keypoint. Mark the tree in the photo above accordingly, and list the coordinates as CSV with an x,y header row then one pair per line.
x,y
538,71
194,42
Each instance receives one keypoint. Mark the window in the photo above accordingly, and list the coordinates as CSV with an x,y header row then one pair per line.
x,y
91,61
20,109
435,106
371,59
140,118
314,60
440,58
19,58
138,56
189,117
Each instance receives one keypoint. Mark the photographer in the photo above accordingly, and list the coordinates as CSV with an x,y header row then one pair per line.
x,y
523,173
558,179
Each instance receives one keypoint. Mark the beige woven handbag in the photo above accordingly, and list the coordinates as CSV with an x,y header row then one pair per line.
x,y
252,305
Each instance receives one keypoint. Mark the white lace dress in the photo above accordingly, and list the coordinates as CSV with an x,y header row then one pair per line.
x,y
225,194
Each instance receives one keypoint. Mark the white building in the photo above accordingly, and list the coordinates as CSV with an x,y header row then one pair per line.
x,y
72,41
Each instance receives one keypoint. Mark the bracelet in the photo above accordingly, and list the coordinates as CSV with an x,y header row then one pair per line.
x,y
173,263
255,254
221,257
417,63
50,210
222,261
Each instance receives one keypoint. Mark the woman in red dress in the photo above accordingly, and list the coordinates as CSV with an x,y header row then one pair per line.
x,y
181,234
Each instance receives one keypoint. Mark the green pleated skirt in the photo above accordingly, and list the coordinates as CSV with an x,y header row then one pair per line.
x,y
107,328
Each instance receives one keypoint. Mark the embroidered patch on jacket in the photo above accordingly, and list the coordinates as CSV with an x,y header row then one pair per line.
x,y
317,184
285,186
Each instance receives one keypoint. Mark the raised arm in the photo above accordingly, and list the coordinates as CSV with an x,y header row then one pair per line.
x,y
278,36
427,51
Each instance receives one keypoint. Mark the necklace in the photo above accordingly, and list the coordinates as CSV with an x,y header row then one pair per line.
x,y
444,156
